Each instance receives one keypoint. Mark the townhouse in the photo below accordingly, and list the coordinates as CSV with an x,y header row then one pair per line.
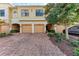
x,y
24,18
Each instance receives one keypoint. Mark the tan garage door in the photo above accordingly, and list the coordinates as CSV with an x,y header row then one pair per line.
x,y
39,28
4,28
27,28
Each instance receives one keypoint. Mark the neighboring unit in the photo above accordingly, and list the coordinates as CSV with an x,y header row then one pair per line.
x,y
5,16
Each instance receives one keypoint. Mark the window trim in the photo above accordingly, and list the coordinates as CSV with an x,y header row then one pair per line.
x,y
39,15
23,12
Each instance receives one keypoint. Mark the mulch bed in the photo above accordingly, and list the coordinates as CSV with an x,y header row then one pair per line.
x,y
64,46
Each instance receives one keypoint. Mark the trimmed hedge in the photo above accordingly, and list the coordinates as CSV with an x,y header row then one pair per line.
x,y
59,37
75,43
76,52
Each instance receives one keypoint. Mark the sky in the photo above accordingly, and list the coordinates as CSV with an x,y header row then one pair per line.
x,y
39,1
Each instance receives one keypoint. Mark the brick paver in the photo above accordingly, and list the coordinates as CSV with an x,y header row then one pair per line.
x,y
28,45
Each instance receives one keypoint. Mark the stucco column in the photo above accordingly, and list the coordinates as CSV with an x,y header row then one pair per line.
x,y
10,27
44,28
20,28
32,28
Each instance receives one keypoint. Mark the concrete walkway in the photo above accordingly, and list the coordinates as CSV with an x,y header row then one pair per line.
x,y
28,45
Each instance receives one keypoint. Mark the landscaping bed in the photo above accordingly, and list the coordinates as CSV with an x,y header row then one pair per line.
x,y
70,47
11,33
64,46
4,34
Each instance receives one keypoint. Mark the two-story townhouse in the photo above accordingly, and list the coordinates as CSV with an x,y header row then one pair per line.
x,y
24,18
29,18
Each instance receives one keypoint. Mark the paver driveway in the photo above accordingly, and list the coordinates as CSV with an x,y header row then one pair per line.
x,y
28,44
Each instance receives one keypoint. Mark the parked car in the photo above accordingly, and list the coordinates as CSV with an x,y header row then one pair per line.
x,y
74,30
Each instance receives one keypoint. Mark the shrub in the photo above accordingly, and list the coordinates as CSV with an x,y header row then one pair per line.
x,y
75,43
14,31
76,52
50,34
52,31
2,34
9,33
59,37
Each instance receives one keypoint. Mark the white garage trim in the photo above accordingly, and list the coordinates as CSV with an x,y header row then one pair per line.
x,y
32,28
44,27
20,28
33,25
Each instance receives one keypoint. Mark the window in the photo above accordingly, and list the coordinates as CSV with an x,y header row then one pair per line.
x,y
24,12
2,13
39,12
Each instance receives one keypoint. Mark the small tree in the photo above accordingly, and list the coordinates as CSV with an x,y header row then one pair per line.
x,y
65,14
50,14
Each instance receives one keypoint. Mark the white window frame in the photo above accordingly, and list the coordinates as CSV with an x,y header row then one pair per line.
x,y
1,13
40,11
24,12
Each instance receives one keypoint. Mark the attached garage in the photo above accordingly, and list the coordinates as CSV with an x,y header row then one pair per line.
x,y
35,28
27,28
38,28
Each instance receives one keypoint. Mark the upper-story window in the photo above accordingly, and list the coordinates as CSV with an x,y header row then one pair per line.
x,y
24,12
2,13
39,12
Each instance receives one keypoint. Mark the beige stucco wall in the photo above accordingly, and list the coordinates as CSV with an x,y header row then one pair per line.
x,y
59,28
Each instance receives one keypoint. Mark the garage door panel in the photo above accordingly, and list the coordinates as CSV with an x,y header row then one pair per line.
x,y
27,28
38,28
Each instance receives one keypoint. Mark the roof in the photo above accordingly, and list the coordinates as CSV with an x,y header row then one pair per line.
x,y
28,4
